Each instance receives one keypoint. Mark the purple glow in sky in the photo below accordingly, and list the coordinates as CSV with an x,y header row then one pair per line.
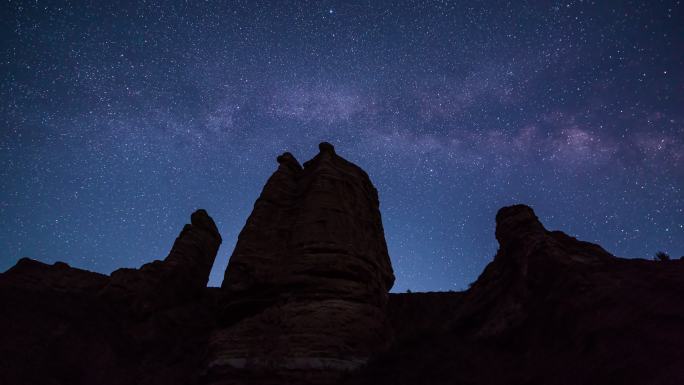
x,y
118,122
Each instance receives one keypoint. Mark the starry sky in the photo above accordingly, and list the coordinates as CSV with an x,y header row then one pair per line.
x,y
117,121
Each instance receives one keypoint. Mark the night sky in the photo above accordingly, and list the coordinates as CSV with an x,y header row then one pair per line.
x,y
118,121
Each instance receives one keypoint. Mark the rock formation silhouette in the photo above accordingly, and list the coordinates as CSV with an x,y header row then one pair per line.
x,y
550,309
305,301
62,325
182,276
311,271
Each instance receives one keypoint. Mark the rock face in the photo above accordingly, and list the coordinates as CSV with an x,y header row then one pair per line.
x,y
305,301
309,277
182,276
62,325
549,309
530,261
315,231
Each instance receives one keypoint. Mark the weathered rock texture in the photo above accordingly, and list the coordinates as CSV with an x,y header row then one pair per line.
x,y
305,301
309,277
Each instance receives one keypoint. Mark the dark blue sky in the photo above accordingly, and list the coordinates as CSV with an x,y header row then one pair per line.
x,y
117,122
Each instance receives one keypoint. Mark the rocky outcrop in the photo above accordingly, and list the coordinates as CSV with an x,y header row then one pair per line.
x,y
309,277
305,301
313,229
62,325
181,277
29,274
549,309
530,261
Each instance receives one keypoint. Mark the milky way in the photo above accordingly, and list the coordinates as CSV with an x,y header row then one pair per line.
x,y
118,122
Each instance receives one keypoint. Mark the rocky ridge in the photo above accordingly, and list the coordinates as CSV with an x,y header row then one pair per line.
x,y
549,309
63,325
305,300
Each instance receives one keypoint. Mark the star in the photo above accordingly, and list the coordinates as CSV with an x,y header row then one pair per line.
x,y
116,134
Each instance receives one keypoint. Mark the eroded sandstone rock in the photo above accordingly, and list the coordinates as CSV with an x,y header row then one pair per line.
x,y
181,276
549,309
530,261
309,277
67,326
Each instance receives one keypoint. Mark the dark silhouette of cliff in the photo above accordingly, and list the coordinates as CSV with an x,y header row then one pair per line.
x,y
62,325
549,309
305,301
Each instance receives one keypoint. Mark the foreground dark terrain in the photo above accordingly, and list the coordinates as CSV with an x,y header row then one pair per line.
x,y
305,301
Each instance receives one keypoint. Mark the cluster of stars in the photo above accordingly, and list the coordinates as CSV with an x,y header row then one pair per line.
x,y
118,122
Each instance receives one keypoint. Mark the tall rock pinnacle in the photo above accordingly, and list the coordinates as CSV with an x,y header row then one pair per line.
x,y
312,228
311,267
